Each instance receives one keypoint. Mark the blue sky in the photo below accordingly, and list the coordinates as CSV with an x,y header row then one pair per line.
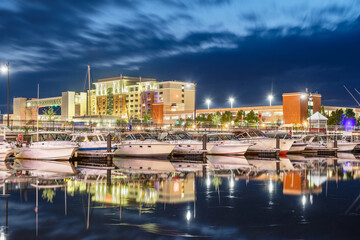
x,y
244,49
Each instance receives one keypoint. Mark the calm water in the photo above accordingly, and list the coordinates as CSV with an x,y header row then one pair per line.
x,y
228,198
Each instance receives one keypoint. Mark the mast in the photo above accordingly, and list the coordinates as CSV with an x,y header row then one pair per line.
x,y
37,115
89,106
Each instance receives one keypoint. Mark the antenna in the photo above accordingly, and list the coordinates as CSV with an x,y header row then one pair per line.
x,y
351,95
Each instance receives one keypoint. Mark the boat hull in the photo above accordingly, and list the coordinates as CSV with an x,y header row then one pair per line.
x,y
229,149
48,153
144,150
297,148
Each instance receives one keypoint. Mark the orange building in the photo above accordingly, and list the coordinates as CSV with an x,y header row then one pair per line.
x,y
297,107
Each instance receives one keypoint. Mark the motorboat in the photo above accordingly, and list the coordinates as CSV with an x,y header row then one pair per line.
x,y
142,144
263,143
90,142
46,146
5,149
45,168
184,143
228,162
142,165
328,142
226,144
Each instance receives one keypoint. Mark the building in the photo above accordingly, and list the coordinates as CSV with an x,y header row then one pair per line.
x,y
296,108
113,98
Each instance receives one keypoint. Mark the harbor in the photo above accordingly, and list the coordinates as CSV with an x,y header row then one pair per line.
x,y
179,119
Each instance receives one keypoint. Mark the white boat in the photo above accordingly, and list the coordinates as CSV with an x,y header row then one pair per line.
x,y
43,167
184,143
141,165
142,144
226,144
263,143
51,146
90,142
326,142
228,162
5,150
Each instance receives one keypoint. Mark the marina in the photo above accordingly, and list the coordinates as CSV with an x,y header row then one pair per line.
x,y
150,198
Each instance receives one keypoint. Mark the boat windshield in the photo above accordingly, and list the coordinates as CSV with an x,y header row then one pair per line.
x,y
179,136
242,135
138,136
53,137
256,134
225,137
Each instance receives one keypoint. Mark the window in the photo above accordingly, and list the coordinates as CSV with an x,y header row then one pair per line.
x,y
161,92
166,118
175,117
160,86
182,101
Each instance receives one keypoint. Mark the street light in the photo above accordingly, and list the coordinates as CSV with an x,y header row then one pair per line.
x,y
6,68
231,100
208,101
270,97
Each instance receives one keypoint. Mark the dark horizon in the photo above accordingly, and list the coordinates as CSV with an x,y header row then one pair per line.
x,y
246,50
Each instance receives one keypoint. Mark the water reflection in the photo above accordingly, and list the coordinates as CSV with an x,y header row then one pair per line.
x,y
221,198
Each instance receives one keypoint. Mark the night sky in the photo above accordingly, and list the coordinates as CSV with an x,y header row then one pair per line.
x,y
238,48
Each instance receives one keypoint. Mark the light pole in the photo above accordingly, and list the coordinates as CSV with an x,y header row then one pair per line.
x,y
208,101
231,100
270,97
6,67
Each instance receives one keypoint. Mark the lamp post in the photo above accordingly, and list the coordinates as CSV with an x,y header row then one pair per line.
x,y
208,101
270,97
231,100
6,67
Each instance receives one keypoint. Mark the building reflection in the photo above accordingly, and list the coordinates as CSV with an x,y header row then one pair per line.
x,y
139,188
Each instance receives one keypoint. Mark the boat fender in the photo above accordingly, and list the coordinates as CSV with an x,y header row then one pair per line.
x,y
19,138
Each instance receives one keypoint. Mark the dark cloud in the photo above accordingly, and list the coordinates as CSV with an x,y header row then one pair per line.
x,y
51,42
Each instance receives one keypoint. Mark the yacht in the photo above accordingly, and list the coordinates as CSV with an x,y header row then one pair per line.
x,y
184,143
326,142
46,146
90,142
142,144
226,144
5,149
143,165
228,162
263,143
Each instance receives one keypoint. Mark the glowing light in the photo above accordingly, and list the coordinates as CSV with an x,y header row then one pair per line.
x,y
176,187
4,69
271,187
208,101
226,125
231,100
231,183
188,215
305,123
303,200
303,96
194,126
208,182
270,97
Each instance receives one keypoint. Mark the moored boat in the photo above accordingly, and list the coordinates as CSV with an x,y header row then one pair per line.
x,y
142,144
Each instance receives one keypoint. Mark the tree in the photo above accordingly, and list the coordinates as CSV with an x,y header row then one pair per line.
x,y
189,122
322,111
121,122
349,113
147,118
179,122
216,119
252,117
226,117
240,116
49,114
335,117
110,102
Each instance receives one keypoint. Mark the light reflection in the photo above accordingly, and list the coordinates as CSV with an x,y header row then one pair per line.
x,y
271,186
303,200
208,181
231,183
188,215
